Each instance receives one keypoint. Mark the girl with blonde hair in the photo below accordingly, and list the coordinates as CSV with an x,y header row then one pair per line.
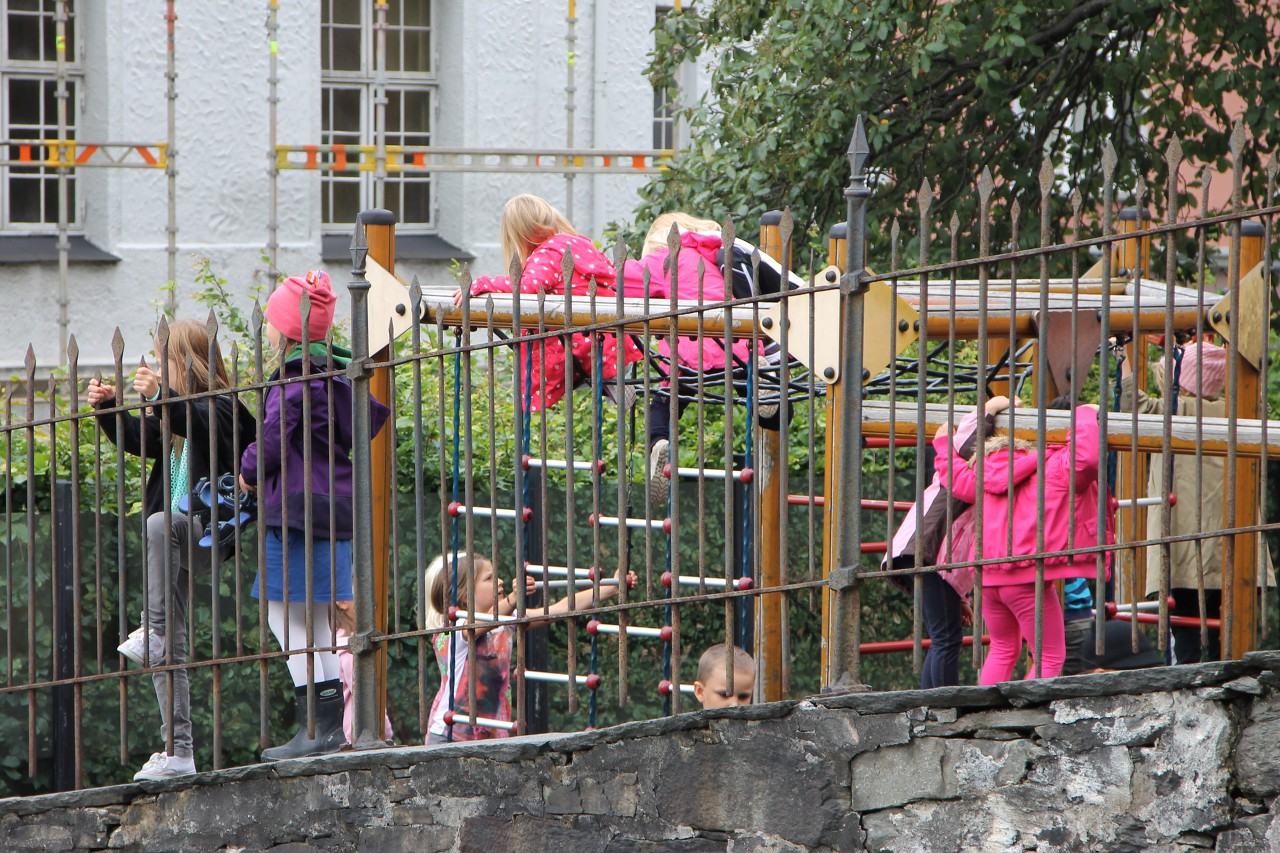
x,y
537,235
170,533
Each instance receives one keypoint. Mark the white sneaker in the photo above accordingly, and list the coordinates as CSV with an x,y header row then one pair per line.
x,y
659,455
161,766
137,643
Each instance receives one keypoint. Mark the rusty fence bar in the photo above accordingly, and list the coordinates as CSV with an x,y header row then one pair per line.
x,y
552,490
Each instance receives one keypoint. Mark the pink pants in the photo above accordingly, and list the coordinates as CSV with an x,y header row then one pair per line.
x,y
1010,615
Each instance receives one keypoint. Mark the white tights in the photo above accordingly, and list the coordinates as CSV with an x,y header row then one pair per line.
x,y
294,615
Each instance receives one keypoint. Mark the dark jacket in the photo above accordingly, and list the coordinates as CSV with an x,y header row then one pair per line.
x,y
233,428
277,465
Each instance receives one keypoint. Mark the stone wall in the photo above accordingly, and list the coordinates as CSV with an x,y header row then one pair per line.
x,y
1168,759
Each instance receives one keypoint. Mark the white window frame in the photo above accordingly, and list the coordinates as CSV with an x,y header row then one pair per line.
x,y
363,81
46,73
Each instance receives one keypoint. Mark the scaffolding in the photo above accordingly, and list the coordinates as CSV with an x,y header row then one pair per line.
x,y
66,154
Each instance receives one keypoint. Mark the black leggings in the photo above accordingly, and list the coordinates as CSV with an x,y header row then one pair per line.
x,y
1186,641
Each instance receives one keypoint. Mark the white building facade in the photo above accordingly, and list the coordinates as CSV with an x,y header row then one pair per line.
x,y
492,74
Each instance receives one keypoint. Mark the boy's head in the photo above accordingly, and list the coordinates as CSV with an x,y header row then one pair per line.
x,y
712,685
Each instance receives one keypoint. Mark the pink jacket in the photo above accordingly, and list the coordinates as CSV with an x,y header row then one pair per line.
x,y
543,271
1059,518
694,248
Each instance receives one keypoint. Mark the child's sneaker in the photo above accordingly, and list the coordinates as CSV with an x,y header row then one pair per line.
x,y
152,642
658,479
161,766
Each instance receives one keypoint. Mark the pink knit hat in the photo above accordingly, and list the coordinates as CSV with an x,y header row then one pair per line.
x,y
1211,370
285,313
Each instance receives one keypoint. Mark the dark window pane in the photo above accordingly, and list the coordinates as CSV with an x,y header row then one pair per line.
x,y
25,5
393,49
345,204
71,34
24,37
344,12
24,200
345,116
416,13
393,111
24,102
417,51
346,50
416,202
51,201
417,111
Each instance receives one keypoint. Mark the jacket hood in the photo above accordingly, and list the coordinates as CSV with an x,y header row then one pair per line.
x,y
996,468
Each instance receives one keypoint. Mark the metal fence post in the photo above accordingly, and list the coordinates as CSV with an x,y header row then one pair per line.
x,y
847,461
64,737
366,731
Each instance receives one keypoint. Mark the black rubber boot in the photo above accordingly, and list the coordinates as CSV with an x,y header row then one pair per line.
x,y
329,735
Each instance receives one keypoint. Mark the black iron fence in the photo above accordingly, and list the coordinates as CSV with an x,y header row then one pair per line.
x,y
733,461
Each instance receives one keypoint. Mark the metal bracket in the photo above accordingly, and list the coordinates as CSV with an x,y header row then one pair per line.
x,y
1252,298
358,644
390,314
842,578
880,345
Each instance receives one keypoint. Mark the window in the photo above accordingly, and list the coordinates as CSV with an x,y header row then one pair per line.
x,y
664,109
29,111
348,110
664,121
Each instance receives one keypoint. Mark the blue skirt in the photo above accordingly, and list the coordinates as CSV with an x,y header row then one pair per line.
x,y
322,588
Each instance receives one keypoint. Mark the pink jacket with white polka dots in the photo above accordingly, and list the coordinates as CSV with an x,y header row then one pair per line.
x,y
544,271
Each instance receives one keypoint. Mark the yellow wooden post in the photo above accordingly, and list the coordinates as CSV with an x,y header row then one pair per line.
x,y
837,256
380,232
769,613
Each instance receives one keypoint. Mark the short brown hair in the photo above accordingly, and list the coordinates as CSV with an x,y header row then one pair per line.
x,y
468,565
713,658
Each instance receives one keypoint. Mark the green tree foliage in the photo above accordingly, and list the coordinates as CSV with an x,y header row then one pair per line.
x,y
948,89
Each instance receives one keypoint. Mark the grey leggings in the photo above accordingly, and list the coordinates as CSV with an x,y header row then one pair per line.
x,y
175,538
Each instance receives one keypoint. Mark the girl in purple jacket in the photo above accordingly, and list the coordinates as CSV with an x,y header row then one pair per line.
x,y
306,569
1010,491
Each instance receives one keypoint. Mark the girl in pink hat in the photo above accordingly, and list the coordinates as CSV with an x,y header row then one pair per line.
x,y
307,568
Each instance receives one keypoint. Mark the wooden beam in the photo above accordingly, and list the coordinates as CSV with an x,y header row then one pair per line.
x,y
382,248
1248,436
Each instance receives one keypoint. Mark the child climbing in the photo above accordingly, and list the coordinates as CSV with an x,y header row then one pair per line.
x,y
698,276
492,643
540,237
172,558
278,468
1011,515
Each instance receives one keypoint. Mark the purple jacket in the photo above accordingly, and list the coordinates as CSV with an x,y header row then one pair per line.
x,y
277,464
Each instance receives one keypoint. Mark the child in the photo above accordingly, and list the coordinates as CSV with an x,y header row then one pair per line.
x,y
1010,481
345,618
540,236
164,626
493,644
700,244
944,608
712,685
277,466
1201,380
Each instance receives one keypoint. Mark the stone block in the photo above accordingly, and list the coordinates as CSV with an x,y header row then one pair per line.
x,y
1181,783
896,775
404,839
1257,753
1010,719
1083,724
1257,834
527,832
